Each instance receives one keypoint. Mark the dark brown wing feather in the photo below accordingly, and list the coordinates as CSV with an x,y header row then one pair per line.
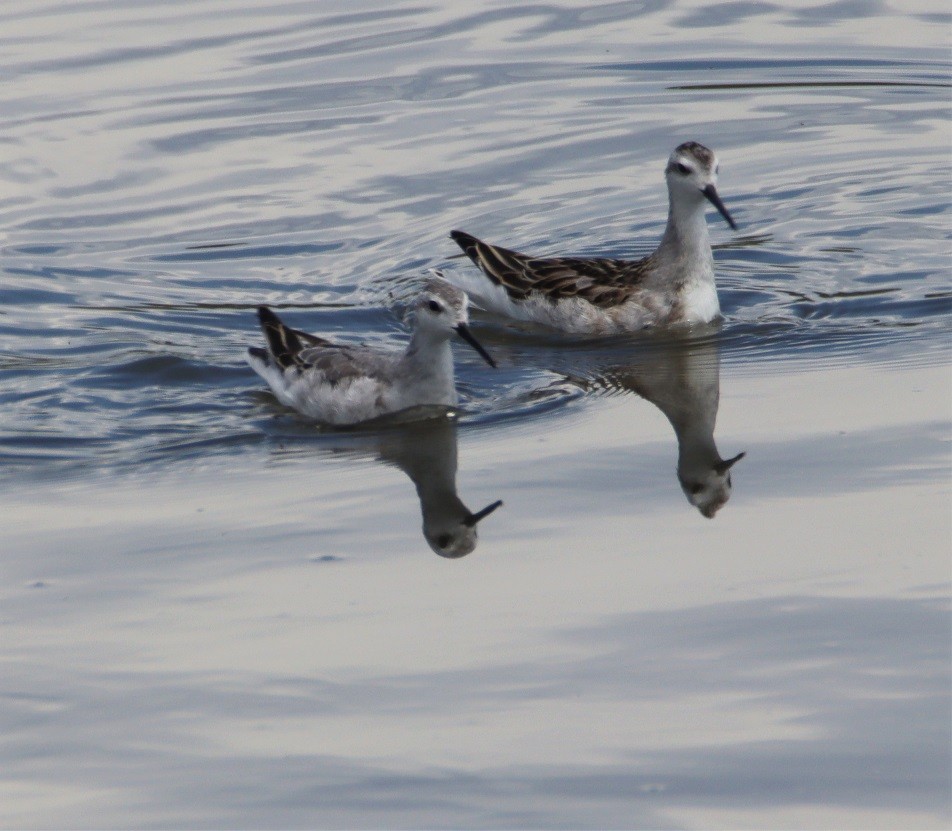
x,y
285,344
292,348
601,281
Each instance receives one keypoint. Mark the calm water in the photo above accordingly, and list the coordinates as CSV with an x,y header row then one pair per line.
x,y
214,614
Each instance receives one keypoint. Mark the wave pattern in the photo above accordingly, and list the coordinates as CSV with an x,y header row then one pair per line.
x,y
162,182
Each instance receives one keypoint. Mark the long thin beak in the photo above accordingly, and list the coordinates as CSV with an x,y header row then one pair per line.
x,y
472,519
711,193
463,331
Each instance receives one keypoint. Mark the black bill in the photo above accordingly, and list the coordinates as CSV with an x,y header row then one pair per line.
x,y
467,336
711,193
472,519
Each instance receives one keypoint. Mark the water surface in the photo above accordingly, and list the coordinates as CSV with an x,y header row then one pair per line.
x,y
215,614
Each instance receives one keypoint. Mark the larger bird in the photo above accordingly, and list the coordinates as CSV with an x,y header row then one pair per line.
x,y
340,384
672,285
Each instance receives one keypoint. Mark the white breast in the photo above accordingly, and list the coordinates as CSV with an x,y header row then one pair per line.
x,y
700,303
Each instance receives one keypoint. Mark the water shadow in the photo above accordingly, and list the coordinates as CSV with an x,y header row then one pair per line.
x,y
681,377
422,442
427,452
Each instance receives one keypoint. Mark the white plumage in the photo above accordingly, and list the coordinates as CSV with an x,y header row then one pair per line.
x,y
340,384
601,295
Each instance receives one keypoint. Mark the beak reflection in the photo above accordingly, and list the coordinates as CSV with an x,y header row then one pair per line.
x,y
472,519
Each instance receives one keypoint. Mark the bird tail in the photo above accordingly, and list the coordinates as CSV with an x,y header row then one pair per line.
x,y
283,342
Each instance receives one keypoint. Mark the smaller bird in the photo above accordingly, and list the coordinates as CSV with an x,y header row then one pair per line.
x,y
340,384
601,295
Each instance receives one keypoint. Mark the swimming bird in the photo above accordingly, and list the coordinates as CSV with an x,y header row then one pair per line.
x,y
341,384
672,285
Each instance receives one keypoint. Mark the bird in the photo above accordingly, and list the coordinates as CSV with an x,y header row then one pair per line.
x,y
601,295
341,384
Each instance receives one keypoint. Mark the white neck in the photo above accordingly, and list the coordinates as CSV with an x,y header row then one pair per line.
x,y
686,232
429,359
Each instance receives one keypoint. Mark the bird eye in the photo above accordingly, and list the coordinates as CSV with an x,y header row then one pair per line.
x,y
443,540
683,169
695,488
434,306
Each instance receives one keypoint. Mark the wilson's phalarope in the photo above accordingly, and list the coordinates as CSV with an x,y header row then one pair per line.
x,y
341,384
674,284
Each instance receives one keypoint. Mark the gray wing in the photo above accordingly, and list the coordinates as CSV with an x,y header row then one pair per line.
x,y
340,363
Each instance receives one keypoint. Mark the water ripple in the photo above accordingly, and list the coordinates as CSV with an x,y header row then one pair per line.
x,y
316,161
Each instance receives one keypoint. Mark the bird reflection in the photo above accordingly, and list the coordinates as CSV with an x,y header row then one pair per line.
x,y
681,377
426,451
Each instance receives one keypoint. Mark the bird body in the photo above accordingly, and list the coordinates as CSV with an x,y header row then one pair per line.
x,y
602,295
342,384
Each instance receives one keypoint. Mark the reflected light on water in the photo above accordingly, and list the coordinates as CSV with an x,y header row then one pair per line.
x,y
217,614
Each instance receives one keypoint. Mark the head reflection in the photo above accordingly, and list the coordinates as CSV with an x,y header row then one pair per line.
x,y
709,487
426,451
681,377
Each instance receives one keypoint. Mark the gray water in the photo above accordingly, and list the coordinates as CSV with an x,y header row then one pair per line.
x,y
215,614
